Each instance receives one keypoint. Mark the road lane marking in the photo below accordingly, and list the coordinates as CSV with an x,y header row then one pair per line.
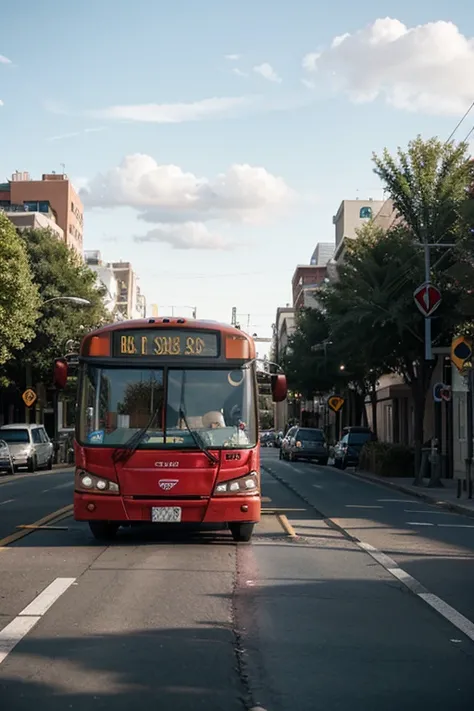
x,y
44,600
454,525
45,528
31,615
13,633
449,613
286,525
419,523
395,501
50,518
435,513
8,501
360,506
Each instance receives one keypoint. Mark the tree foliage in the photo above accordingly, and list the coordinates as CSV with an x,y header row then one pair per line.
x,y
57,271
18,294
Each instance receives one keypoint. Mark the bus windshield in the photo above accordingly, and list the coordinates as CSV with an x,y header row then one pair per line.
x,y
216,403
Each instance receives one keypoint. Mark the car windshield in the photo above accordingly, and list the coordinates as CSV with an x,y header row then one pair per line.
x,y
20,436
310,436
117,402
358,437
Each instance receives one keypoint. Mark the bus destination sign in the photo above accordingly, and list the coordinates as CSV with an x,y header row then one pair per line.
x,y
151,343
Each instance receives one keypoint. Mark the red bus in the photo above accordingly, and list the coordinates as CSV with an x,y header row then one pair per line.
x,y
167,426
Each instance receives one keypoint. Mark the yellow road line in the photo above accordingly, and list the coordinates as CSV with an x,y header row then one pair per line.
x,y
286,525
55,517
45,528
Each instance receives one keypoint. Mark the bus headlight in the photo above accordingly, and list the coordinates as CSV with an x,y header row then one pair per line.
x,y
89,482
247,484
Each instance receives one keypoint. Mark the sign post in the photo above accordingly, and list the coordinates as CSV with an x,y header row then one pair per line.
x,y
461,356
427,298
336,402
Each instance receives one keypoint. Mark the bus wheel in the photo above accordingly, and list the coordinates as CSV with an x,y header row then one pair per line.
x,y
241,532
103,530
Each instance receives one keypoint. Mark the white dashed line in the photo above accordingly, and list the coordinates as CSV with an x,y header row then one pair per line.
x,y
8,501
435,513
359,506
448,612
454,525
395,501
419,523
30,616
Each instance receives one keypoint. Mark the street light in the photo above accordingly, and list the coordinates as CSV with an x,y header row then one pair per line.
x,y
77,300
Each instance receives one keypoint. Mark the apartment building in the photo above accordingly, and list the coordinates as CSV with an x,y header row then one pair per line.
x,y
323,253
354,214
306,279
130,302
53,193
40,219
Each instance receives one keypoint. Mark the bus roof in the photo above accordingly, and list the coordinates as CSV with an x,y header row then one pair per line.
x,y
174,322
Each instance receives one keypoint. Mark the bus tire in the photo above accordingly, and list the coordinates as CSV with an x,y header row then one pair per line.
x,y
103,530
241,532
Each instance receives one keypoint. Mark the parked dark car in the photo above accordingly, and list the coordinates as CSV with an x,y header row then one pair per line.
x,y
304,443
347,450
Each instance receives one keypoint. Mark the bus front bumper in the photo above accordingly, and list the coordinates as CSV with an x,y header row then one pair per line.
x,y
222,509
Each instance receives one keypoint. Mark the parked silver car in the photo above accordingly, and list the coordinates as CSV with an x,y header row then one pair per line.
x,y
29,446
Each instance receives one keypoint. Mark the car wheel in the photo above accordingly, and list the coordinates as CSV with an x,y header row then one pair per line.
x,y
32,464
49,463
344,464
241,532
103,530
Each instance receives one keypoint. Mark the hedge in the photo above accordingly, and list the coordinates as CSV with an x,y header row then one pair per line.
x,y
388,460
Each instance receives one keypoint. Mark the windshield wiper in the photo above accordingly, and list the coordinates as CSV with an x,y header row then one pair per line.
x,y
131,445
198,439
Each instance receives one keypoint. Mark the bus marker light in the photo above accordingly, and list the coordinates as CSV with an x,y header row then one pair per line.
x,y
244,508
91,507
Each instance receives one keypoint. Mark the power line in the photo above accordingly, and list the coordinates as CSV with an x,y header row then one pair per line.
x,y
462,121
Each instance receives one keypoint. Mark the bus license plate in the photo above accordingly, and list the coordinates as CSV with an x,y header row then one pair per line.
x,y
166,514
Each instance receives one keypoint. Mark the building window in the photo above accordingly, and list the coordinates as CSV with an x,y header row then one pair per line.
x,y
365,213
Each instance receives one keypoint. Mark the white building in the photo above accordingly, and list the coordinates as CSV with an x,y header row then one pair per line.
x,y
105,278
323,253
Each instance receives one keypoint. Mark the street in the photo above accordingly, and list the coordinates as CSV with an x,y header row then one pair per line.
x,y
302,619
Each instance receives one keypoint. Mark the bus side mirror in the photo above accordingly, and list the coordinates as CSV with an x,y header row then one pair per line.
x,y
60,373
279,388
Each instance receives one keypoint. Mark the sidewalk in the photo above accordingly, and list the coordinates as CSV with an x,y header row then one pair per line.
x,y
444,497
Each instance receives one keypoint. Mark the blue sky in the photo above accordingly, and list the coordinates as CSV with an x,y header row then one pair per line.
x,y
89,84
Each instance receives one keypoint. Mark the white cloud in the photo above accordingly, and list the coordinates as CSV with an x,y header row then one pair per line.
x,y
424,68
73,134
232,57
217,107
189,235
179,204
1,103
267,72
239,72
4,60
166,193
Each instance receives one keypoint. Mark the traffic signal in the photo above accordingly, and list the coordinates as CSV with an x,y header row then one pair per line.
x,y
461,352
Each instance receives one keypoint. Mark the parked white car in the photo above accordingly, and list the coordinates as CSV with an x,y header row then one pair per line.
x,y
29,446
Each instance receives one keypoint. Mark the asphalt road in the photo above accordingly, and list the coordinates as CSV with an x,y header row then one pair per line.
x,y
27,498
193,621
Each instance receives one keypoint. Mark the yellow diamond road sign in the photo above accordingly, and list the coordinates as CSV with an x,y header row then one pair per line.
x,y
29,397
335,403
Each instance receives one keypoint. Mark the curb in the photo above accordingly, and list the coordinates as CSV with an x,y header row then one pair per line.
x,y
457,508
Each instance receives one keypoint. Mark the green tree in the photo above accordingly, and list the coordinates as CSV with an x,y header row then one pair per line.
x,y
57,271
18,294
